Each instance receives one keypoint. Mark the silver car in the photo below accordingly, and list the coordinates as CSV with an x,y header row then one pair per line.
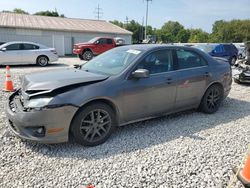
x,y
123,85
20,53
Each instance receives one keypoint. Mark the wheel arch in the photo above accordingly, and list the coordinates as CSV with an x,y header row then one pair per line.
x,y
42,55
99,100
210,85
86,49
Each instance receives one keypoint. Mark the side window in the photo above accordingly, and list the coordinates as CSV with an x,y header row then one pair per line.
x,y
13,47
30,47
103,41
109,41
228,48
219,49
189,59
157,62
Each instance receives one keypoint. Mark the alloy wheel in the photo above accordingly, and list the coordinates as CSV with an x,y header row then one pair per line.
x,y
95,125
213,98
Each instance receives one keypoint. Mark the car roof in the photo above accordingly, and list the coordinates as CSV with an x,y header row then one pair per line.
x,y
148,47
18,42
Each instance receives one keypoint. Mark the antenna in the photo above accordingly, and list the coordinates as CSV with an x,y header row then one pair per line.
x,y
98,12
146,18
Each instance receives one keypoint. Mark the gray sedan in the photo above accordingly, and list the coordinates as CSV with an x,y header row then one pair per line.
x,y
121,86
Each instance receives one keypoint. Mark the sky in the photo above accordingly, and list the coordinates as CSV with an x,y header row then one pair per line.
x,y
190,13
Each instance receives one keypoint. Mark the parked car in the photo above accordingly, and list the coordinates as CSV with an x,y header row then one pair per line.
x,y
86,51
20,53
227,51
124,85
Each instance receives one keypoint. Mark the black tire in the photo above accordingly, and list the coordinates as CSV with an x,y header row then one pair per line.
x,y
87,55
42,61
90,129
233,61
80,57
212,99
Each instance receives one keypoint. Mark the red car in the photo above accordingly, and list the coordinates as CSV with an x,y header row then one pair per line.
x,y
86,51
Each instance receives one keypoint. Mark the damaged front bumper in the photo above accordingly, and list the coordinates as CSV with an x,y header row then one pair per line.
x,y
47,125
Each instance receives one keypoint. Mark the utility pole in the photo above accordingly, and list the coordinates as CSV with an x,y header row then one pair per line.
x,y
98,12
126,21
146,19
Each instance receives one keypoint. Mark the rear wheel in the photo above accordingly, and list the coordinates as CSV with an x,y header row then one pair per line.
x,y
42,61
87,55
212,99
93,124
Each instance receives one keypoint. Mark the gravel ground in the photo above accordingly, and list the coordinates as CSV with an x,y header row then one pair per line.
x,y
188,149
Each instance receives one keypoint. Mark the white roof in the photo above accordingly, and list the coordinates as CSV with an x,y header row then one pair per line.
x,y
23,21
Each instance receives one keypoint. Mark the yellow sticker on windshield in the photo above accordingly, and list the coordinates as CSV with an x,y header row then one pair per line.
x,y
136,52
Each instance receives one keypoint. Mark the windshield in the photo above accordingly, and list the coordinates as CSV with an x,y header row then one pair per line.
x,y
112,62
206,48
93,40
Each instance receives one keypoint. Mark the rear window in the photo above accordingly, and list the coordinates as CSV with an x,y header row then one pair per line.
x,y
188,59
30,47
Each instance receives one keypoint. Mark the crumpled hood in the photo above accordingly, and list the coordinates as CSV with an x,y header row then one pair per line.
x,y
51,80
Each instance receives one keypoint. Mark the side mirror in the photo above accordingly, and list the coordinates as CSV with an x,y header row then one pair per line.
x,y
213,52
97,42
3,49
140,73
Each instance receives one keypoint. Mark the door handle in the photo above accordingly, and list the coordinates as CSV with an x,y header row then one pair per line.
x,y
169,80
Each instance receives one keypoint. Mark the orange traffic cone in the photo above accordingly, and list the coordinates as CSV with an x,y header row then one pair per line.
x,y
244,174
8,82
90,186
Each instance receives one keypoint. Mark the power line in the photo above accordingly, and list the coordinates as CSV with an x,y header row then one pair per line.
x,y
146,18
98,12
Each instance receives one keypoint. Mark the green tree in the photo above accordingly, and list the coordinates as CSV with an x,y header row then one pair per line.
x,y
16,10
198,36
171,30
118,23
49,13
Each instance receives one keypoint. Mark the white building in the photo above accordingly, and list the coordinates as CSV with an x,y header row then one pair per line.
x,y
60,33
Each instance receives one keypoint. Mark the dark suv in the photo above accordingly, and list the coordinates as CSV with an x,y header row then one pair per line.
x,y
227,51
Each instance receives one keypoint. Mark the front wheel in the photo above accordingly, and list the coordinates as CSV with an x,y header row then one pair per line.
x,y
93,124
212,99
80,57
87,55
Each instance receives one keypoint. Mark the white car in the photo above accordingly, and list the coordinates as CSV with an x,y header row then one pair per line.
x,y
20,53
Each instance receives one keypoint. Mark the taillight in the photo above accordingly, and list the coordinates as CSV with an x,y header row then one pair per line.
x,y
54,51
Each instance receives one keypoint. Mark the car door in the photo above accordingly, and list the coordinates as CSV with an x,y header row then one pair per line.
x,y
12,55
154,95
193,76
110,44
30,53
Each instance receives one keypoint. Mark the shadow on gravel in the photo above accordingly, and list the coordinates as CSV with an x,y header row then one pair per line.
x,y
149,133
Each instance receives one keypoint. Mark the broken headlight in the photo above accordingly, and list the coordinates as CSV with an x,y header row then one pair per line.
x,y
38,102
